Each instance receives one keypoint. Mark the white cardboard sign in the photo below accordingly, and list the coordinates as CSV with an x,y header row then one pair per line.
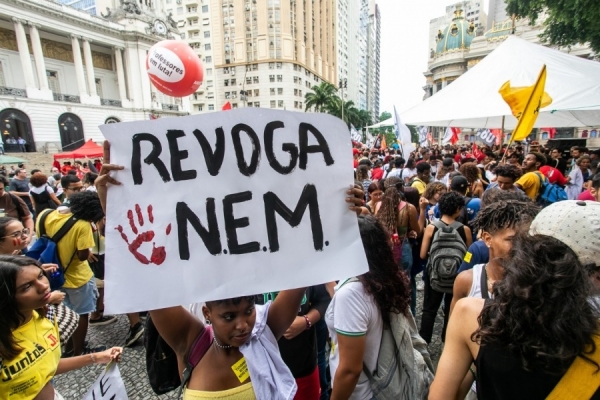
x,y
228,204
108,386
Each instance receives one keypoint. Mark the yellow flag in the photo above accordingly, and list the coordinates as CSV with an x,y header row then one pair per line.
x,y
525,104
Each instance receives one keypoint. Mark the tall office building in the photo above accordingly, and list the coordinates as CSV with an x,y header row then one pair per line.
x,y
258,53
496,13
358,37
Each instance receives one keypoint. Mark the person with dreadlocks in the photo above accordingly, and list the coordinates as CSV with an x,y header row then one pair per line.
x,y
74,250
400,220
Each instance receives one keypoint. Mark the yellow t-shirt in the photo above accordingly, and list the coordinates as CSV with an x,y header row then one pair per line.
x,y
530,182
419,185
26,375
79,237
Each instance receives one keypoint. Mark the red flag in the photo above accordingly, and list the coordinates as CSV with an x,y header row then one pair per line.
x,y
498,134
226,106
455,133
551,132
477,153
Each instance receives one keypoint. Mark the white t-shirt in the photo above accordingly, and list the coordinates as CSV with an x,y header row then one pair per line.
x,y
353,312
407,173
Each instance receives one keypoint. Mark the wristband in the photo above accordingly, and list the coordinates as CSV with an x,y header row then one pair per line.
x,y
93,358
308,324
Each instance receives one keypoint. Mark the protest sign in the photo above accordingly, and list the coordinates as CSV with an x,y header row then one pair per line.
x,y
227,204
486,136
108,386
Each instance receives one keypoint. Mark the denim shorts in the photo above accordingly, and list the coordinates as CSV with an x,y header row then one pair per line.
x,y
82,300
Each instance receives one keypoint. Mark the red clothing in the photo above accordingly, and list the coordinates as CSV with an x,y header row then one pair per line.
x,y
553,175
355,163
376,173
585,196
309,387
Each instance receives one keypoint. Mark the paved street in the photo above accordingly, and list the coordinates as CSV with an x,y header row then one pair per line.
x,y
75,384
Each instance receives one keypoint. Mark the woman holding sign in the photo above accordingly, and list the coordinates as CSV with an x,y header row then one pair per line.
x,y
29,342
237,356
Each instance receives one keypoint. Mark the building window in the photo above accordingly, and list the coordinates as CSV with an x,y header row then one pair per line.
x,y
206,34
255,68
272,91
204,9
248,80
271,78
300,93
226,82
233,81
234,105
295,92
226,70
233,95
208,59
208,71
207,46
593,133
295,79
280,104
200,107
257,104
279,90
99,87
211,107
279,65
256,92
255,79
53,83
271,65
227,95
272,103
279,78
295,104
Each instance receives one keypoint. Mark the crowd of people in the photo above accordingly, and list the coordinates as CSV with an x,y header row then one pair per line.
x,y
517,280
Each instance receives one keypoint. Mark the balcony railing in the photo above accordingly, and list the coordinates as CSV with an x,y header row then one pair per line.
x,y
69,98
112,103
8,91
170,107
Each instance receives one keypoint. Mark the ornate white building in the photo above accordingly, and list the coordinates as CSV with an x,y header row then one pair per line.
x,y
64,72
458,41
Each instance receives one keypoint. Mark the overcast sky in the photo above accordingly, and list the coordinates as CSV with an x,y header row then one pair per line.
x,y
404,49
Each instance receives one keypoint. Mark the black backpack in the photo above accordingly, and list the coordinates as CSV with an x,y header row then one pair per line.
x,y
161,361
463,217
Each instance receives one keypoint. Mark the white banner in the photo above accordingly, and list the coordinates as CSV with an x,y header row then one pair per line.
x,y
354,134
108,386
227,204
403,135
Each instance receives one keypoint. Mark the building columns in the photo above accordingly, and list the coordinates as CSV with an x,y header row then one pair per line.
x,y
83,93
89,68
120,74
40,63
25,57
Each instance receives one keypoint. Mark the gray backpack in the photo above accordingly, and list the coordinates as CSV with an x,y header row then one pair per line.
x,y
445,256
404,368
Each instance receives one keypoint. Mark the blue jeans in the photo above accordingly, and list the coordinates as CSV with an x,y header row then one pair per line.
x,y
322,336
406,261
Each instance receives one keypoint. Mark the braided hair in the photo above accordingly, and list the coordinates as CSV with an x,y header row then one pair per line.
x,y
505,214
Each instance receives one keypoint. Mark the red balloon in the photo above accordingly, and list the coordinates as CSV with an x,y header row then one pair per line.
x,y
174,68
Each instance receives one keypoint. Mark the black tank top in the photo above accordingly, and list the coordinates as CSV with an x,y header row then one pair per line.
x,y
500,376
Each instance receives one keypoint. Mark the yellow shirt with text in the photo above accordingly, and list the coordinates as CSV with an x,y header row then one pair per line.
x,y
79,237
27,374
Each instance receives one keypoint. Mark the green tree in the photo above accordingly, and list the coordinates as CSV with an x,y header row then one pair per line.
x,y
568,22
321,97
385,115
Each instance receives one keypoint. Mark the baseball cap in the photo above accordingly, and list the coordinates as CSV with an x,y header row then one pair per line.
x,y
459,182
576,224
355,151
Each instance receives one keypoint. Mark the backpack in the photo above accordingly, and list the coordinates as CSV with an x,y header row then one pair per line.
x,y
445,256
17,204
161,360
404,368
549,193
45,249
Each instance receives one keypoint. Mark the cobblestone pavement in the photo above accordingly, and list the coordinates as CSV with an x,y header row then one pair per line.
x,y
75,384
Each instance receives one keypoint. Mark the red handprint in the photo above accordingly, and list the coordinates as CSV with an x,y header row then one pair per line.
x,y
158,253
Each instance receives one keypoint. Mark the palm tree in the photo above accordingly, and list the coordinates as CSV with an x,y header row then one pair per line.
x,y
320,98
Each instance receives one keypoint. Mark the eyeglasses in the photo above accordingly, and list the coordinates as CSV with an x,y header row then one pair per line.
x,y
16,234
76,189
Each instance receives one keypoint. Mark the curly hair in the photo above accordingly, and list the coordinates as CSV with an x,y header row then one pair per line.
x,y
362,173
539,157
10,316
581,159
504,214
86,206
432,188
540,310
388,212
38,180
386,282
496,194
508,171
450,202
470,171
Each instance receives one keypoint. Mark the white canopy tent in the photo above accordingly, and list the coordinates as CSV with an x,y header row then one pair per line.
x,y
473,101
387,122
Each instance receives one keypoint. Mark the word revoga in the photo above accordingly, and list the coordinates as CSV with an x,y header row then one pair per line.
x,y
211,234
